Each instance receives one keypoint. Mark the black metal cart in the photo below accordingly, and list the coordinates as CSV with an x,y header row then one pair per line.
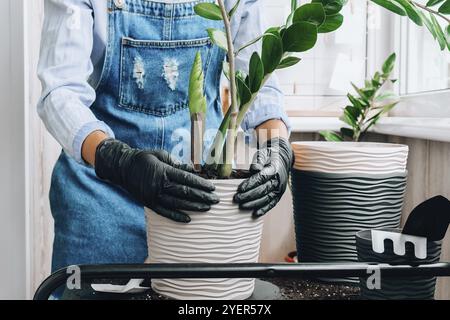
x,y
258,270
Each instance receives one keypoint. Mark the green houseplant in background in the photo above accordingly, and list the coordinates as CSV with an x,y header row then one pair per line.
x,y
370,104
343,186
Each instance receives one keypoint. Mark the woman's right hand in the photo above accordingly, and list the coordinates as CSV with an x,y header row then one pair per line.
x,y
154,179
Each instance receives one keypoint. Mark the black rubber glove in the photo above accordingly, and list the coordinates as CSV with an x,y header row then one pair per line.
x,y
154,179
271,167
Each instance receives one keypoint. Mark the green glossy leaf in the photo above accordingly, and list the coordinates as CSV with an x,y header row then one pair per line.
x,y
233,10
427,22
243,90
385,109
197,100
445,7
372,121
331,6
360,93
272,52
300,37
256,73
354,112
331,136
209,11
434,2
411,11
439,33
447,30
288,62
355,102
311,12
347,132
368,92
376,84
377,76
391,6
347,118
270,31
331,23
388,65
386,96
389,107
219,38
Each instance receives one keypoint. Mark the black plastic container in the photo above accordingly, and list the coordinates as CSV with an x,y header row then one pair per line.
x,y
415,288
329,209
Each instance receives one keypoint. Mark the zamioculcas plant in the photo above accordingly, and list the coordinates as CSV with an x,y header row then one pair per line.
x,y
427,13
368,106
279,44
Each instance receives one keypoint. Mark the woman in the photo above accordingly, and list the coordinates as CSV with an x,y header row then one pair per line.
x,y
115,80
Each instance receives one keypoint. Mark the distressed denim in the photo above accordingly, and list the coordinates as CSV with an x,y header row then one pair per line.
x,y
74,40
142,96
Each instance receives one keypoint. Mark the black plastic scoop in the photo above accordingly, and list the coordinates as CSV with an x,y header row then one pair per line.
x,y
430,219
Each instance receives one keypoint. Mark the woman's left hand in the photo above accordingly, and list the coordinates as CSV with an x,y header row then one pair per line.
x,y
270,168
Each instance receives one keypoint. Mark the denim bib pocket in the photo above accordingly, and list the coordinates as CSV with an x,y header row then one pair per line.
x,y
154,75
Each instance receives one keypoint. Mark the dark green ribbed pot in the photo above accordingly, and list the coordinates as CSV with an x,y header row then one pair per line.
x,y
410,288
329,209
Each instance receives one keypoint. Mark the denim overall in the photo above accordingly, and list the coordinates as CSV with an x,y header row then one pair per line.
x,y
143,96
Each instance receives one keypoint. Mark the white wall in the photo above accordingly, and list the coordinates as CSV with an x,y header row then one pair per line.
x,y
13,207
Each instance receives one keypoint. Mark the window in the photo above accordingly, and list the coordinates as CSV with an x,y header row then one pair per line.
x,y
424,68
318,85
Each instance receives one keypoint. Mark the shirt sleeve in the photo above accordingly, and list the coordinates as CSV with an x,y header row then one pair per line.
x,y
249,25
64,69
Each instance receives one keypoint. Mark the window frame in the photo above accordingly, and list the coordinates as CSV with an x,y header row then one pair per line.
x,y
378,47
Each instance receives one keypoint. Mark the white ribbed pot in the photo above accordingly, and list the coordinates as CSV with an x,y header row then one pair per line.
x,y
225,234
340,188
350,157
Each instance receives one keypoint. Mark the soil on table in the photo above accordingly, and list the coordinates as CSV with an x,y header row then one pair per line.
x,y
291,289
314,290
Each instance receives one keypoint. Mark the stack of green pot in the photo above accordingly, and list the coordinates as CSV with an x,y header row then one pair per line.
x,y
341,188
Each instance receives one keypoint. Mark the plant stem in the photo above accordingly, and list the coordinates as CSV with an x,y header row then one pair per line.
x,y
293,5
226,168
431,11
243,110
197,132
248,44
215,152
216,149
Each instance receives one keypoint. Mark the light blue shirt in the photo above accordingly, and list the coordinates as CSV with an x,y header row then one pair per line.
x,y
73,48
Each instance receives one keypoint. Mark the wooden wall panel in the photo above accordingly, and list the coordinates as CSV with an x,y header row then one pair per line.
x,y
43,151
439,183
428,176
